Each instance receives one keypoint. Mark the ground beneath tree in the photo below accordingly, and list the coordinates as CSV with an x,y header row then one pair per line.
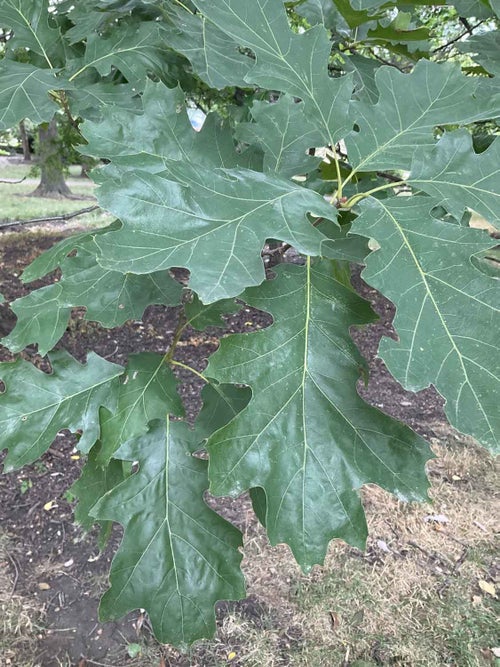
x,y
50,561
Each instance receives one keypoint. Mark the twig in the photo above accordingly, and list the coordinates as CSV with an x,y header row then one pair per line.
x,y
469,31
433,555
466,24
16,572
56,218
378,57
8,180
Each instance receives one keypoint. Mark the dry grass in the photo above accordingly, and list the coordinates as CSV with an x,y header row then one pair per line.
x,y
21,617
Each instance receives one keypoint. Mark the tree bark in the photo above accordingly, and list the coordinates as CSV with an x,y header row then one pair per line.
x,y
52,183
25,141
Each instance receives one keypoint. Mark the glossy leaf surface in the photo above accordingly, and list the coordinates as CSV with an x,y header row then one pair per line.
x,y
56,402
306,437
447,314
147,392
177,557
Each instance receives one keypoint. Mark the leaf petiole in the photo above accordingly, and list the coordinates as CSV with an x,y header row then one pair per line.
x,y
355,199
172,362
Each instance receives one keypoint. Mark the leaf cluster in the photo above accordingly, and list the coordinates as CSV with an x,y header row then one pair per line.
x,y
336,129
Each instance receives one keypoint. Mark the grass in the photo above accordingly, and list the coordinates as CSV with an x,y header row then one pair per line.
x,y
17,205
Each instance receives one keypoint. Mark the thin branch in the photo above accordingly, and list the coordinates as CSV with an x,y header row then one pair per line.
x,y
389,177
466,24
382,60
56,218
355,199
469,31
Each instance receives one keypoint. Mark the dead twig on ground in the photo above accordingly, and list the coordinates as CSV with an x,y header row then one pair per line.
x,y
55,218
11,182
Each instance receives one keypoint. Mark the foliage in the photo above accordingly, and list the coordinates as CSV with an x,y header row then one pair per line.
x,y
281,416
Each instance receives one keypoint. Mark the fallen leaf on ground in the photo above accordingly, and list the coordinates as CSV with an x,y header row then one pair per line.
x,y
487,588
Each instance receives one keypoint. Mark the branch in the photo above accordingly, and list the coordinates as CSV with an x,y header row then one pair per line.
x,y
56,218
382,60
466,24
469,31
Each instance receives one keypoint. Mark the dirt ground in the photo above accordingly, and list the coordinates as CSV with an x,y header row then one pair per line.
x,y
53,574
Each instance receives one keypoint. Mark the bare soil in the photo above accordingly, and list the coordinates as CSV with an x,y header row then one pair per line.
x,y
52,564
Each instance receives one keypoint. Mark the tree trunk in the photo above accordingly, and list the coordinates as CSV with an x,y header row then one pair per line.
x,y
25,141
52,183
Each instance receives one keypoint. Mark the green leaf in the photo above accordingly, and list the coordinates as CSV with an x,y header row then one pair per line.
x,y
214,56
224,215
322,12
221,403
86,20
447,310
479,9
487,50
409,108
177,557
94,482
41,319
457,178
201,316
364,70
392,33
161,133
133,50
109,297
284,134
24,93
36,405
363,5
354,17
306,437
296,64
112,298
54,257
90,99
29,19
148,392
